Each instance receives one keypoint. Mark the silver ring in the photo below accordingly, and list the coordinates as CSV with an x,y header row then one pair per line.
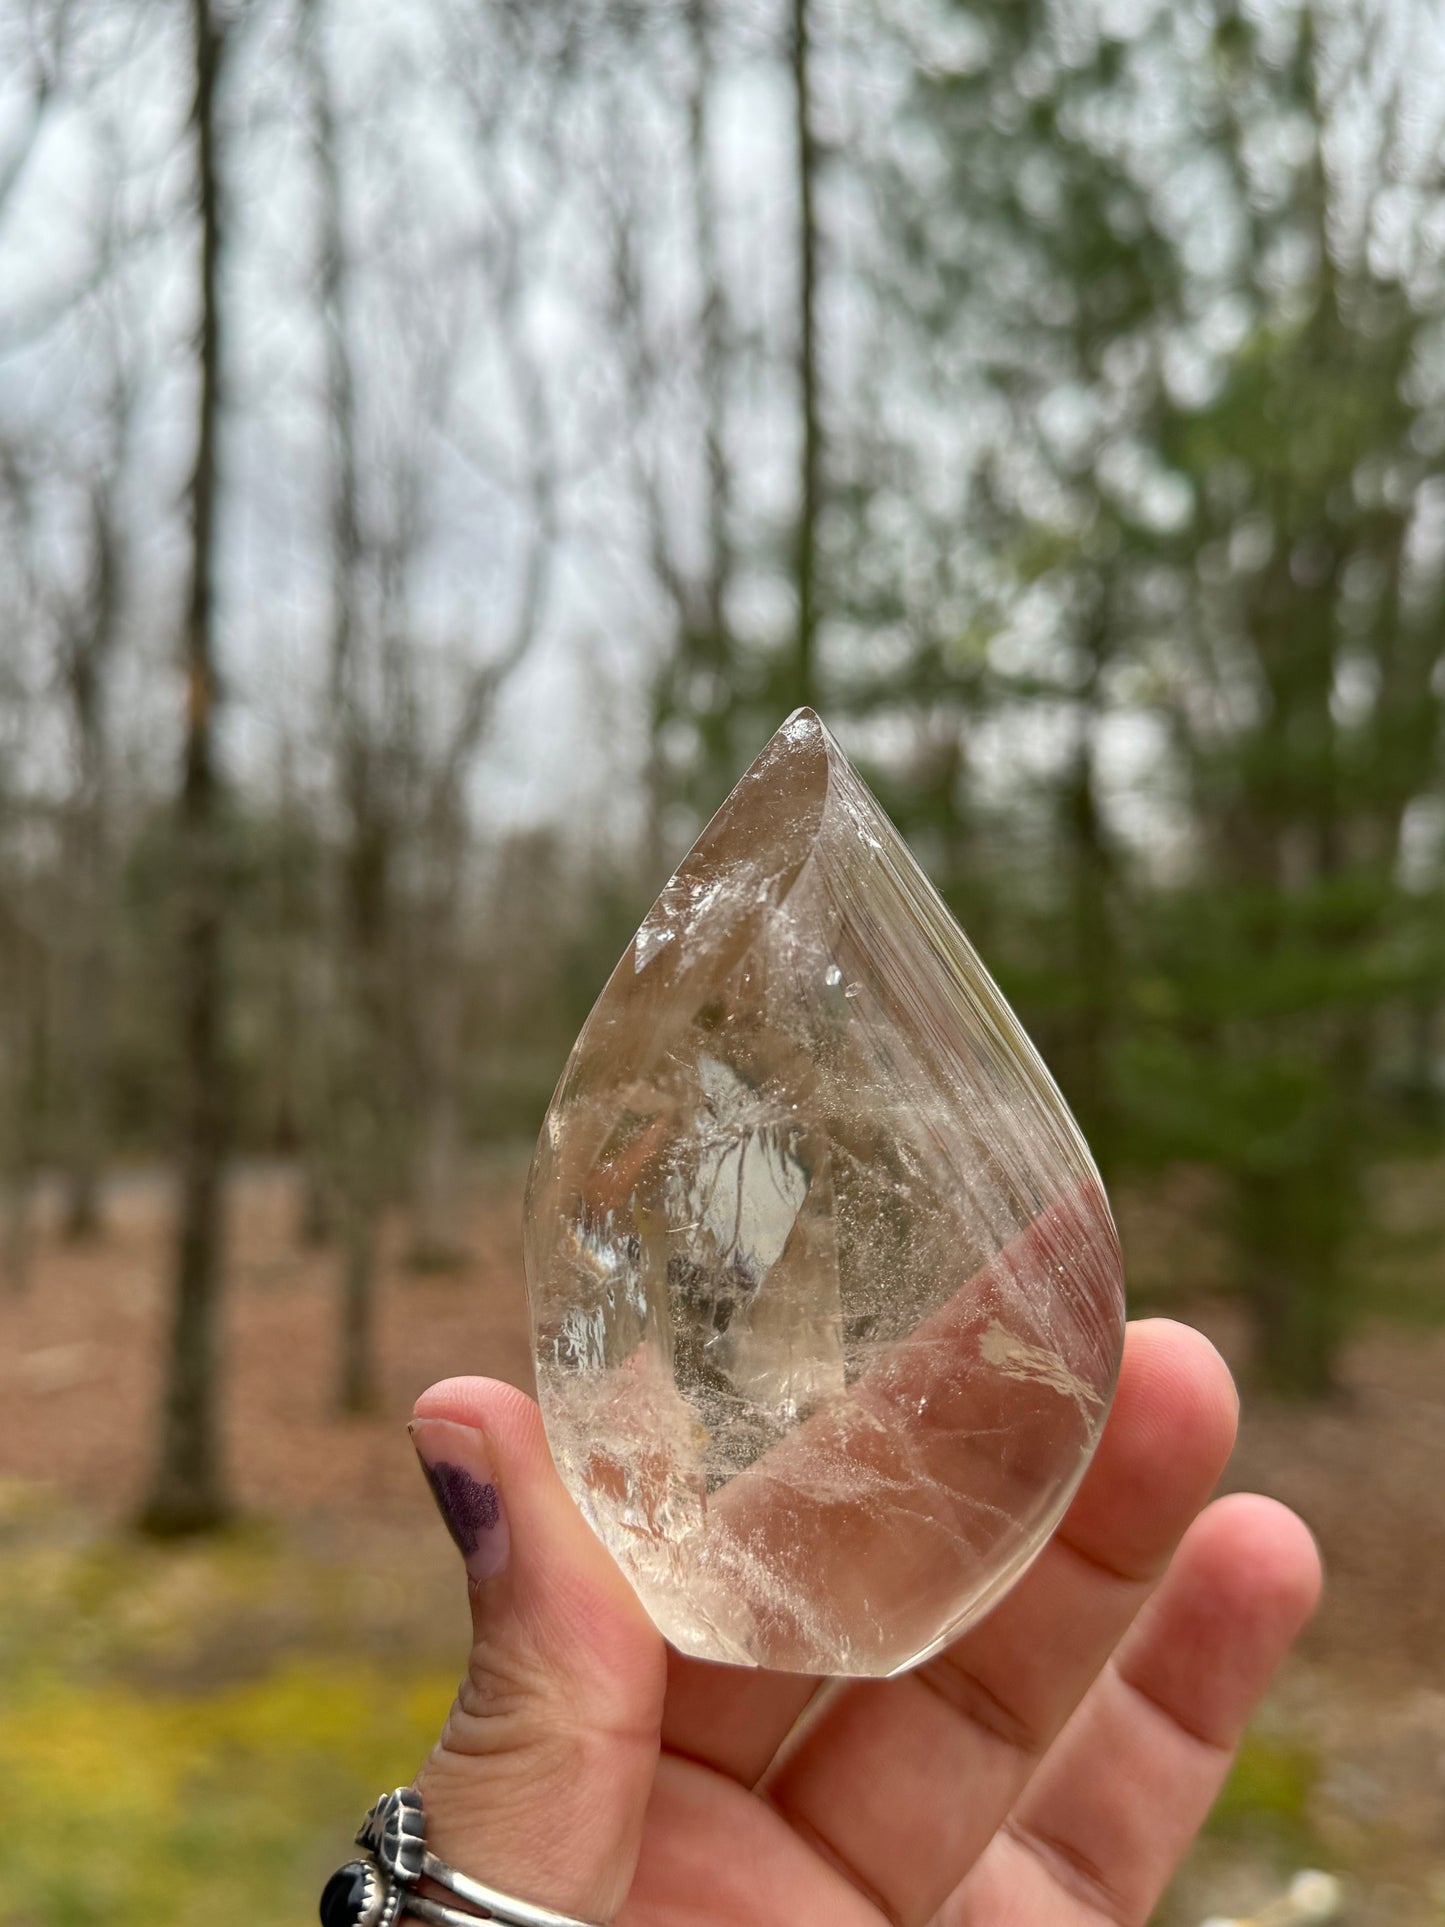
x,y
380,1889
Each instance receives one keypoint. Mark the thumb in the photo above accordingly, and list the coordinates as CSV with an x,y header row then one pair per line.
x,y
540,1780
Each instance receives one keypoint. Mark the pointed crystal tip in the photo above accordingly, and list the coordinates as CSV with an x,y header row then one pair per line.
x,y
826,1296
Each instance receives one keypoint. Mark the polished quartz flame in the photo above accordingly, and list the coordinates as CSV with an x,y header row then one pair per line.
x,y
826,1295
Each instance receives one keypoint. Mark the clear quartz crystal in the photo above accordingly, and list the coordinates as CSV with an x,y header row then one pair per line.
x,y
826,1294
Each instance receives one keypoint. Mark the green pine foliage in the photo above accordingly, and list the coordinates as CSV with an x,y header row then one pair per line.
x,y
1176,266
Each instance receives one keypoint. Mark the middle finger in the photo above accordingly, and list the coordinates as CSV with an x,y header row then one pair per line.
x,y
902,1782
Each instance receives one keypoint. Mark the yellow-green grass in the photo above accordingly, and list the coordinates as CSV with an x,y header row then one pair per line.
x,y
187,1736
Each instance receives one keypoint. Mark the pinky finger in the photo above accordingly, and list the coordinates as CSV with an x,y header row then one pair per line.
x,y
1113,1808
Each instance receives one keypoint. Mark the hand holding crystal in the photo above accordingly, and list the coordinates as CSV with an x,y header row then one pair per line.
x,y
827,1308
1048,1768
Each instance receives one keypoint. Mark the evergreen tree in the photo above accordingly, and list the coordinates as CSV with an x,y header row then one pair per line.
x,y
1187,264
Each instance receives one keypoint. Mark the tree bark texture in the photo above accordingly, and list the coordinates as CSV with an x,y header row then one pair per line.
x,y
437,990
21,1082
89,958
189,1493
805,552
18,1119
360,1082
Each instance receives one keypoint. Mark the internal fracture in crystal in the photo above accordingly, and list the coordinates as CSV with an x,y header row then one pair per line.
x,y
826,1295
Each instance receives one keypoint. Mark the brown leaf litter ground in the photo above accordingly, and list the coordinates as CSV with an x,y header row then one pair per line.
x,y
1346,1765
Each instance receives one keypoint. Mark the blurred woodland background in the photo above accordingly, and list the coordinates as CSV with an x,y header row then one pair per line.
x,y
439,442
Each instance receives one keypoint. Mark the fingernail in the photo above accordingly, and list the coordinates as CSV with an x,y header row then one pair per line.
x,y
459,1472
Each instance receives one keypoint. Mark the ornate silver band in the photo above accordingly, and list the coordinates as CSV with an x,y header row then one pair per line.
x,y
494,1905
381,1889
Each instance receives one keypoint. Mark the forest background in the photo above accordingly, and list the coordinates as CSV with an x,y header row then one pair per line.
x,y
438,444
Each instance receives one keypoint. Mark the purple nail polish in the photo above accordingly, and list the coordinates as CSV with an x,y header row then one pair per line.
x,y
458,1470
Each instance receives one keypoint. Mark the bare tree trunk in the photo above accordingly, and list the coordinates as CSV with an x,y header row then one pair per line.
x,y
805,541
15,1229
438,1240
356,1389
361,1100
88,955
438,1234
189,1491
1424,1051
703,656
1088,1055
316,1205
17,1119
364,1086
303,1125
712,325
82,1213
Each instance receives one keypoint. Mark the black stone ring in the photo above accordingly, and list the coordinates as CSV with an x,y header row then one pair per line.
x,y
380,1889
